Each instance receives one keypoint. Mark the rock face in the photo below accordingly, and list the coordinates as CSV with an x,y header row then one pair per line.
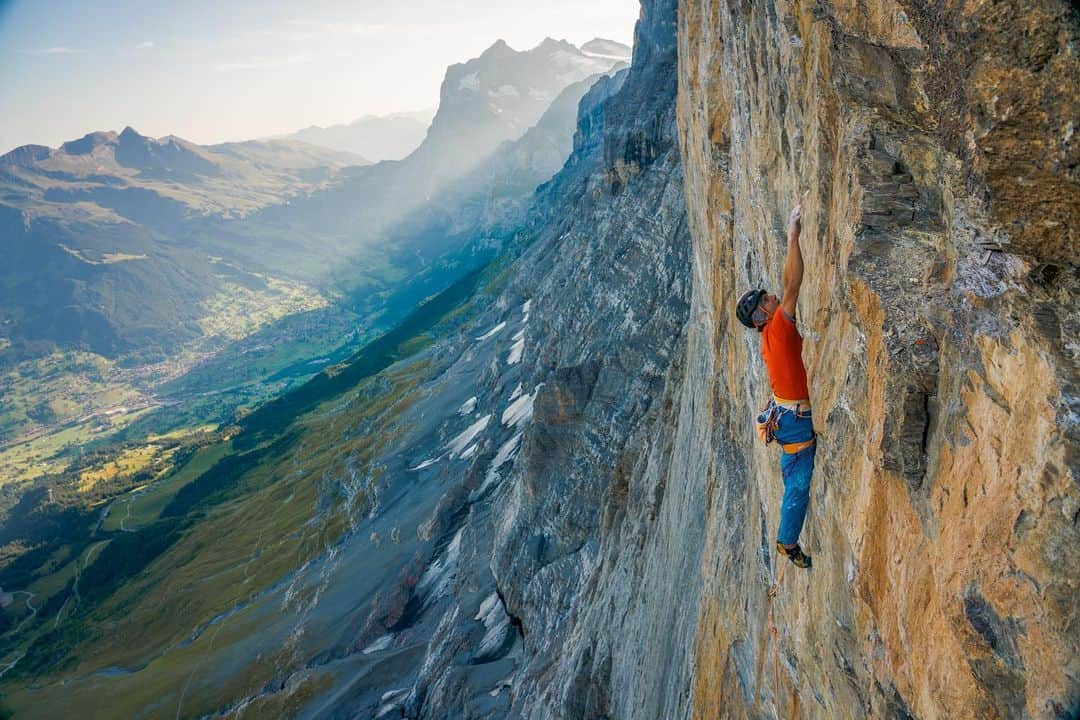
x,y
595,542
933,153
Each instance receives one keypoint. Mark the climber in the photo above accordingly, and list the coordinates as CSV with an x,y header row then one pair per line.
x,y
787,417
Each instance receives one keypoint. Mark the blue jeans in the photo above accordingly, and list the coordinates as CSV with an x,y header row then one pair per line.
x,y
796,468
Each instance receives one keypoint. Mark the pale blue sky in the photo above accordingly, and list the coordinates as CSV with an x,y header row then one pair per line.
x,y
216,70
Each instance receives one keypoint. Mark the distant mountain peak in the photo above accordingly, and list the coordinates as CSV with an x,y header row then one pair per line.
x,y
498,49
602,47
550,44
169,156
372,137
26,155
547,45
499,96
88,142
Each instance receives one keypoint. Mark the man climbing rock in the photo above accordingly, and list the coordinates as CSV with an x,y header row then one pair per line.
x,y
787,417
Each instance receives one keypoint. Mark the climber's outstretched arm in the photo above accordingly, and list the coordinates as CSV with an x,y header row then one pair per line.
x,y
793,266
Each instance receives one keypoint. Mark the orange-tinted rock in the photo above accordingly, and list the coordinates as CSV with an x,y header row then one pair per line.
x,y
932,148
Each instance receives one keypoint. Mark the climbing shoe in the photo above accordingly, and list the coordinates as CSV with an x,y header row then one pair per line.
x,y
795,555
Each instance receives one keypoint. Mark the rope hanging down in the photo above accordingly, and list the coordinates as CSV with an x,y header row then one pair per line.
x,y
775,633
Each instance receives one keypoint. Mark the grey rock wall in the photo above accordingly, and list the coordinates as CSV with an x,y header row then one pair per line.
x,y
599,537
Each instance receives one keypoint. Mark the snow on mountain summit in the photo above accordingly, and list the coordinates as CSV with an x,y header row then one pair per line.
x,y
498,96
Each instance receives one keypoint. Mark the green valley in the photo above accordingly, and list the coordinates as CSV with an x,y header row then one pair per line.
x,y
210,520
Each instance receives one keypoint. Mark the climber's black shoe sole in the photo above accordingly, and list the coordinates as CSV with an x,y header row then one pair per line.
x,y
797,557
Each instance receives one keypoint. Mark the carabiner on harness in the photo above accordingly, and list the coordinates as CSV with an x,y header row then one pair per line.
x,y
768,420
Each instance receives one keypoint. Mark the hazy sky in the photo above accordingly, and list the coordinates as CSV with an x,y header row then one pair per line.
x,y
215,70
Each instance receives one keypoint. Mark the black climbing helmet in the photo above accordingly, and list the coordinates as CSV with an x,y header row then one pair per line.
x,y
748,303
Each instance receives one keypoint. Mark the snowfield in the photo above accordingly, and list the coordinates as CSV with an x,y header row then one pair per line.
x,y
462,440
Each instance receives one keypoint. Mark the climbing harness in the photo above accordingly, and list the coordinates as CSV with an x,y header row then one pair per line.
x,y
768,421
792,448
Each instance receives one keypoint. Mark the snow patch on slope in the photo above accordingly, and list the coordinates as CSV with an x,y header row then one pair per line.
x,y
492,331
427,463
462,440
517,349
380,644
506,451
391,701
518,412
496,624
436,579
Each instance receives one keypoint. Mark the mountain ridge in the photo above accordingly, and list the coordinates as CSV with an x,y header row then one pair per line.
x,y
233,199
378,137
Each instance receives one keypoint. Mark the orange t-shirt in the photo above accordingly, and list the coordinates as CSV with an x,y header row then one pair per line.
x,y
781,347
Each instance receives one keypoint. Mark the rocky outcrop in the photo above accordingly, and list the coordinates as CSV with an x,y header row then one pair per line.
x,y
932,148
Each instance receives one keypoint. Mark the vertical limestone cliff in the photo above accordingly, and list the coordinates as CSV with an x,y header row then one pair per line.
x,y
932,146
